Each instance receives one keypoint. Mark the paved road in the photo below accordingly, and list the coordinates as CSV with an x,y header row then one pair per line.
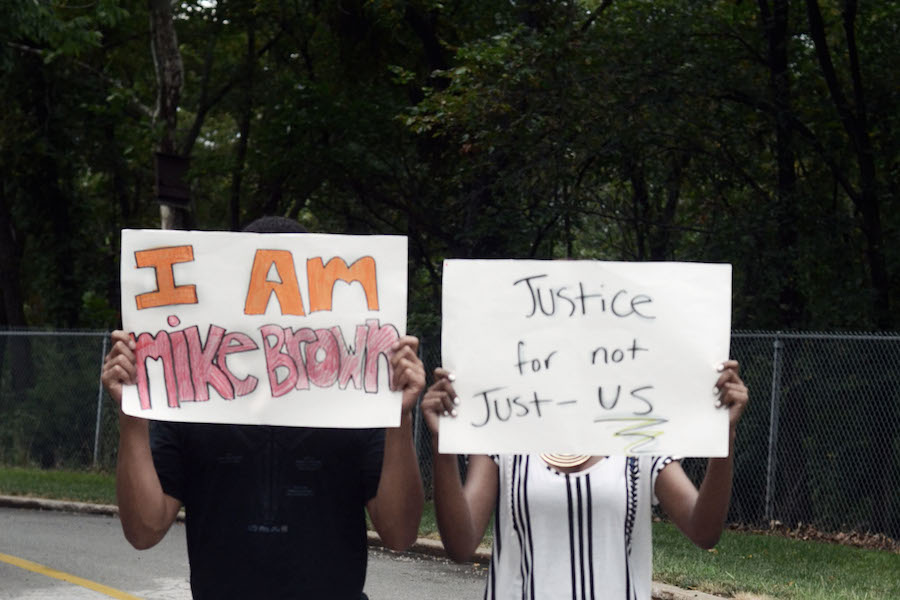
x,y
91,547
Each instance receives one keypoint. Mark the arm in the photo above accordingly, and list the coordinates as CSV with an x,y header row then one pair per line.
x,y
396,508
700,515
146,512
462,511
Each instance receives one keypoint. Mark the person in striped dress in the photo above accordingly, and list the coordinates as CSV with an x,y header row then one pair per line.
x,y
574,527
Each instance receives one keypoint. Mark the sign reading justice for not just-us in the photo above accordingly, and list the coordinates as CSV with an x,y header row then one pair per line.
x,y
605,358
272,329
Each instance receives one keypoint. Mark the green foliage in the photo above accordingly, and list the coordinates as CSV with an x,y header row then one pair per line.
x,y
625,130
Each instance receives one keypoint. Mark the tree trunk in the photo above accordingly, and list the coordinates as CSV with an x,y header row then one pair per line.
x,y
640,201
246,116
169,81
856,124
12,314
169,70
775,24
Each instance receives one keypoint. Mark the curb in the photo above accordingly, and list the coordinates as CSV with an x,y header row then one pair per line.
x,y
434,548
58,505
663,591
660,591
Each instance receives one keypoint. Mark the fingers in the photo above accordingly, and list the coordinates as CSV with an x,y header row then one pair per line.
x,y
443,383
122,351
408,370
118,370
442,373
728,374
406,341
440,399
405,371
404,353
121,336
731,390
440,402
119,366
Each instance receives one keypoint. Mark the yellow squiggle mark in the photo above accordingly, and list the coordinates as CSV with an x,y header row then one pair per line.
x,y
644,437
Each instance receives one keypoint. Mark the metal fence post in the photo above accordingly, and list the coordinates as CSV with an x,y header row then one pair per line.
x,y
99,406
774,410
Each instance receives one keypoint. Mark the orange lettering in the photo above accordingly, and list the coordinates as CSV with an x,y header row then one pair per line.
x,y
322,279
287,290
162,259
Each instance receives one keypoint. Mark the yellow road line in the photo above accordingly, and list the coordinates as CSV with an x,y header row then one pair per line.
x,y
41,569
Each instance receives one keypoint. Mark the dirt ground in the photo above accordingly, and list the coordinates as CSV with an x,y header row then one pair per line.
x,y
872,541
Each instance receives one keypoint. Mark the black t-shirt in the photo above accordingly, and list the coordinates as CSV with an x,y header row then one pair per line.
x,y
271,512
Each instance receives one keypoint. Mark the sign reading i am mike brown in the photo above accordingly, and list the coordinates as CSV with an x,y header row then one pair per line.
x,y
267,329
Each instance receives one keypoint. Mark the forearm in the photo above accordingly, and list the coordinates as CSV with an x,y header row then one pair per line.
x,y
145,511
400,496
713,499
459,533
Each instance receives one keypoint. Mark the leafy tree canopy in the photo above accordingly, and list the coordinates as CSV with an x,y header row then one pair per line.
x,y
763,134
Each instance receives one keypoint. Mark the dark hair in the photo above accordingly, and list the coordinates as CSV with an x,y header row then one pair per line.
x,y
274,225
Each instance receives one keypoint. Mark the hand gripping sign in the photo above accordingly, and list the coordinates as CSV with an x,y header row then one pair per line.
x,y
585,356
274,329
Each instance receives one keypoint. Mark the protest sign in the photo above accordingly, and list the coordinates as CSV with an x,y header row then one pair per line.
x,y
266,329
606,358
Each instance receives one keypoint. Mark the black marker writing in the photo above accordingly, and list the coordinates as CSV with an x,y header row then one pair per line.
x,y
617,355
535,364
609,403
621,304
504,406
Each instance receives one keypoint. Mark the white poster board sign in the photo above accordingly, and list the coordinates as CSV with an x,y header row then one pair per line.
x,y
605,358
266,329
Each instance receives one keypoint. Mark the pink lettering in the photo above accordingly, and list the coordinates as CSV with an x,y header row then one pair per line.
x,y
159,348
190,367
378,344
322,357
231,343
324,372
182,366
351,358
292,341
204,371
275,359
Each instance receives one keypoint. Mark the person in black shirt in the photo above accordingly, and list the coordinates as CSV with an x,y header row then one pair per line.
x,y
271,512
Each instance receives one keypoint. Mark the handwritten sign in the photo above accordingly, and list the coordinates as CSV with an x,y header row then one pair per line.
x,y
605,358
274,329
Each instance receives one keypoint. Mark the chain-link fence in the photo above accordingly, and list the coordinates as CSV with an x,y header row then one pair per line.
x,y
819,443
53,412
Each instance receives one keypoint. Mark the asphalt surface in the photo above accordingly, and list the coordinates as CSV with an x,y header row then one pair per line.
x,y
91,547
51,550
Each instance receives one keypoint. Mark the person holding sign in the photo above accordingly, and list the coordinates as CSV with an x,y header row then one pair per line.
x,y
272,512
574,525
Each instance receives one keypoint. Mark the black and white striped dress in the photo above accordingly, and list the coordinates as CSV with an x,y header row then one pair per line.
x,y
583,535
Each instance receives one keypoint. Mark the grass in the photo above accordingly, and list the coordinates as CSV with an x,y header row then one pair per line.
x,y
80,486
744,565
777,567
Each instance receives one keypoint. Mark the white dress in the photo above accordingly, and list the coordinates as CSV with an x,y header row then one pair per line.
x,y
583,535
